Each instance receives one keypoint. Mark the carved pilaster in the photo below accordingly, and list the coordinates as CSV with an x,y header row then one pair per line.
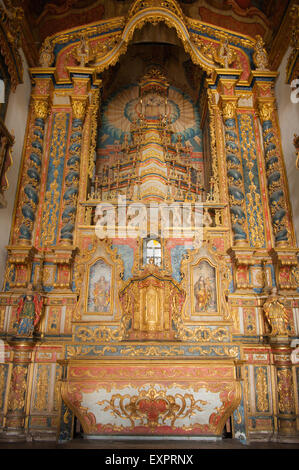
x,y
72,175
16,409
274,172
285,262
235,179
40,107
19,260
277,319
62,257
285,395
242,260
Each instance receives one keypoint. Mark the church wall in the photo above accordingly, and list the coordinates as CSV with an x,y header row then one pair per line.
x,y
288,113
15,121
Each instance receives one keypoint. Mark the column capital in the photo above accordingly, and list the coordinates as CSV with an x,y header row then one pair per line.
x,y
41,106
79,105
266,107
228,106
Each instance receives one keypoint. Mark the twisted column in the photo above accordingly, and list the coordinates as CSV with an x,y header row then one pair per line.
x,y
275,184
234,172
33,173
72,173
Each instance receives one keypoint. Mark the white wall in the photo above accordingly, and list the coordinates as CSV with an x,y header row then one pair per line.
x,y
15,121
288,113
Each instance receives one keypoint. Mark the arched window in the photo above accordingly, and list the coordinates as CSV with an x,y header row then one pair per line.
x,y
153,251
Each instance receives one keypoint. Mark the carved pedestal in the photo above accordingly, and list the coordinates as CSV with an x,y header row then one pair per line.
x,y
286,414
18,398
136,398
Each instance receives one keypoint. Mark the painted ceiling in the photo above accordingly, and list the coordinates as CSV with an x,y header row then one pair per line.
x,y
45,17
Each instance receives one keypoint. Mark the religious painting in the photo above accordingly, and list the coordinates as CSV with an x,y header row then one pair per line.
x,y
99,287
121,110
204,286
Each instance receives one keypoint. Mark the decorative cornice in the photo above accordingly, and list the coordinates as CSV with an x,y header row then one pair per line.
x,y
79,104
41,106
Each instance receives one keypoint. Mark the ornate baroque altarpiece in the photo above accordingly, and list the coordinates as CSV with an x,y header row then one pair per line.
x,y
153,236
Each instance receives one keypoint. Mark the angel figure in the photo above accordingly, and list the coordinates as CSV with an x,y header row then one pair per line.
x,y
276,315
260,56
29,312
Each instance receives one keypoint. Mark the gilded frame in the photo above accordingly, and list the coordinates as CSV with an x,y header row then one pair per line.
x,y
217,287
87,286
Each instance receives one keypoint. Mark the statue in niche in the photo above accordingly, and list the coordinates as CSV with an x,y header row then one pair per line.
x,y
102,294
202,293
276,315
150,319
29,312
99,288
151,302
204,288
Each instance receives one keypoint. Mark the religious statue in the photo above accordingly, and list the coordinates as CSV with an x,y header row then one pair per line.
x,y
202,295
276,315
102,295
260,56
224,55
29,312
150,319
151,266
